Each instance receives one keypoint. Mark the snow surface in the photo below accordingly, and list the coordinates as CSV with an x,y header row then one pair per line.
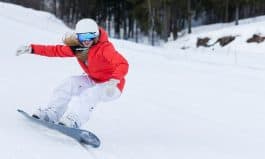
x,y
198,103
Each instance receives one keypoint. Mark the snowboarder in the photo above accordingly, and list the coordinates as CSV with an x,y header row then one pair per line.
x,y
103,80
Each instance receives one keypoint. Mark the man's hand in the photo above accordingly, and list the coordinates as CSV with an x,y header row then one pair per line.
x,y
111,85
113,82
25,49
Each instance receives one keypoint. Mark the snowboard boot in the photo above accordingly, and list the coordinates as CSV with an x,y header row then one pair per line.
x,y
70,120
47,114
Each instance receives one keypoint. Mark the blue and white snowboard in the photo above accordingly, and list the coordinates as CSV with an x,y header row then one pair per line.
x,y
82,136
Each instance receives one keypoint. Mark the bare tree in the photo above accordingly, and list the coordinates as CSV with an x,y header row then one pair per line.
x,y
237,13
151,21
226,10
189,15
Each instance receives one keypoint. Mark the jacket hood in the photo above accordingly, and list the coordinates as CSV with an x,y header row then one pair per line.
x,y
103,35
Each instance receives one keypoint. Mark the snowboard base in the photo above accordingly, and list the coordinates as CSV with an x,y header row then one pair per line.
x,y
84,137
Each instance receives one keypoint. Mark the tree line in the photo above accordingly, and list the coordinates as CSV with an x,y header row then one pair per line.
x,y
156,19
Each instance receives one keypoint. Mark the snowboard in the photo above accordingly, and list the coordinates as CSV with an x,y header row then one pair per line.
x,y
84,137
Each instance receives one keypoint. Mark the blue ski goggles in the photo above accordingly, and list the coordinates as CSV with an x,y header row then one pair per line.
x,y
86,36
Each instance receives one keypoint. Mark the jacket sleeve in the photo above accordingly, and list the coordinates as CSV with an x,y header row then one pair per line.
x,y
52,50
119,63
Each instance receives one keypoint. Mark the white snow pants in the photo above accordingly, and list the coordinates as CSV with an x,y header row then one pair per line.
x,y
88,94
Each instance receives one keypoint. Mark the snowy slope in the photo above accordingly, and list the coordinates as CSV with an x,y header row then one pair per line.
x,y
238,52
245,30
194,103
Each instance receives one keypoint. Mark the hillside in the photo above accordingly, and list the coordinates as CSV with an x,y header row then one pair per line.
x,y
195,103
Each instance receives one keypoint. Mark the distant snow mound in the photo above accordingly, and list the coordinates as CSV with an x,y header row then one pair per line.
x,y
228,35
40,19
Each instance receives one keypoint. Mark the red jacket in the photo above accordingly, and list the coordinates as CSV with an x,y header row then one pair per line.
x,y
104,62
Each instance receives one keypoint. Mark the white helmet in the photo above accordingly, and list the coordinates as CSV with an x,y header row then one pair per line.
x,y
87,25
